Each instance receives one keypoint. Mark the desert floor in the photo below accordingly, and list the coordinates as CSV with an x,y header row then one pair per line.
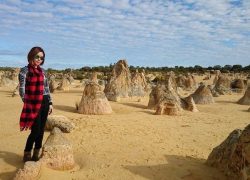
x,y
132,142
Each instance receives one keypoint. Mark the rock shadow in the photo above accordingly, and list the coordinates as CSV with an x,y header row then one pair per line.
x,y
226,101
70,91
245,110
13,160
148,111
177,167
65,108
8,93
140,106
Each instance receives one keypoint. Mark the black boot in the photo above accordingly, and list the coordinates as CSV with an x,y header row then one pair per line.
x,y
35,156
27,156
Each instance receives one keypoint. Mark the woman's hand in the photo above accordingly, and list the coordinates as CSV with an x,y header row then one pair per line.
x,y
50,109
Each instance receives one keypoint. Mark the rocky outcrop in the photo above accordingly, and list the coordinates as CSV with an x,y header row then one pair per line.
x,y
189,104
245,100
119,85
6,82
93,99
62,122
155,95
15,91
169,101
138,84
223,85
165,99
186,82
31,171
232,156
9,78
57,152
190,82
238,85
64,85
53,85
71,79
216,77
167,107
181,81
203,95
163,92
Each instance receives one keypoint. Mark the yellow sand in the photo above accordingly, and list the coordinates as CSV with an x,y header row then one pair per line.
x,y
131,143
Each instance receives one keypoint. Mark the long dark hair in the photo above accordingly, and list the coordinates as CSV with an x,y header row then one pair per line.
x,y
33,52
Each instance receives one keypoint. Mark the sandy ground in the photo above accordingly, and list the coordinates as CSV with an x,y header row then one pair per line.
x,y
131,143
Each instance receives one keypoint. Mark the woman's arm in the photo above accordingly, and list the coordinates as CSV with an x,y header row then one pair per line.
x,y
22,79
46,87
48,91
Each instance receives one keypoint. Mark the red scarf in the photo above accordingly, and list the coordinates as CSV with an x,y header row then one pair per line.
x,y
33,97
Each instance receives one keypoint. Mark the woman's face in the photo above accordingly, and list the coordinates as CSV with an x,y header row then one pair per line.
x,y
38,59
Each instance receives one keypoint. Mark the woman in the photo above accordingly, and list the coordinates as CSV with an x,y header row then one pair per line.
x,y
34,91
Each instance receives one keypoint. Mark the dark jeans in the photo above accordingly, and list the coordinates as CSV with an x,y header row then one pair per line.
x,y
37,129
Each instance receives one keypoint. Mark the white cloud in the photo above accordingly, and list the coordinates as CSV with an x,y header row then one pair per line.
x,y
106,3
198,30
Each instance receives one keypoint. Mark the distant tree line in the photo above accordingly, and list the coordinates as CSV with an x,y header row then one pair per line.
x,y
79,73
180,69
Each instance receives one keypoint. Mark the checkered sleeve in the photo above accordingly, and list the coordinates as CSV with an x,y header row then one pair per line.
x,y
22,79
46,87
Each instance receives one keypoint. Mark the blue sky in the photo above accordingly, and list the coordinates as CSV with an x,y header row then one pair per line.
x,y
156,33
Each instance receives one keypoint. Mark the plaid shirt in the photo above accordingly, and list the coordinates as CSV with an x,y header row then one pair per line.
x,y
22,80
